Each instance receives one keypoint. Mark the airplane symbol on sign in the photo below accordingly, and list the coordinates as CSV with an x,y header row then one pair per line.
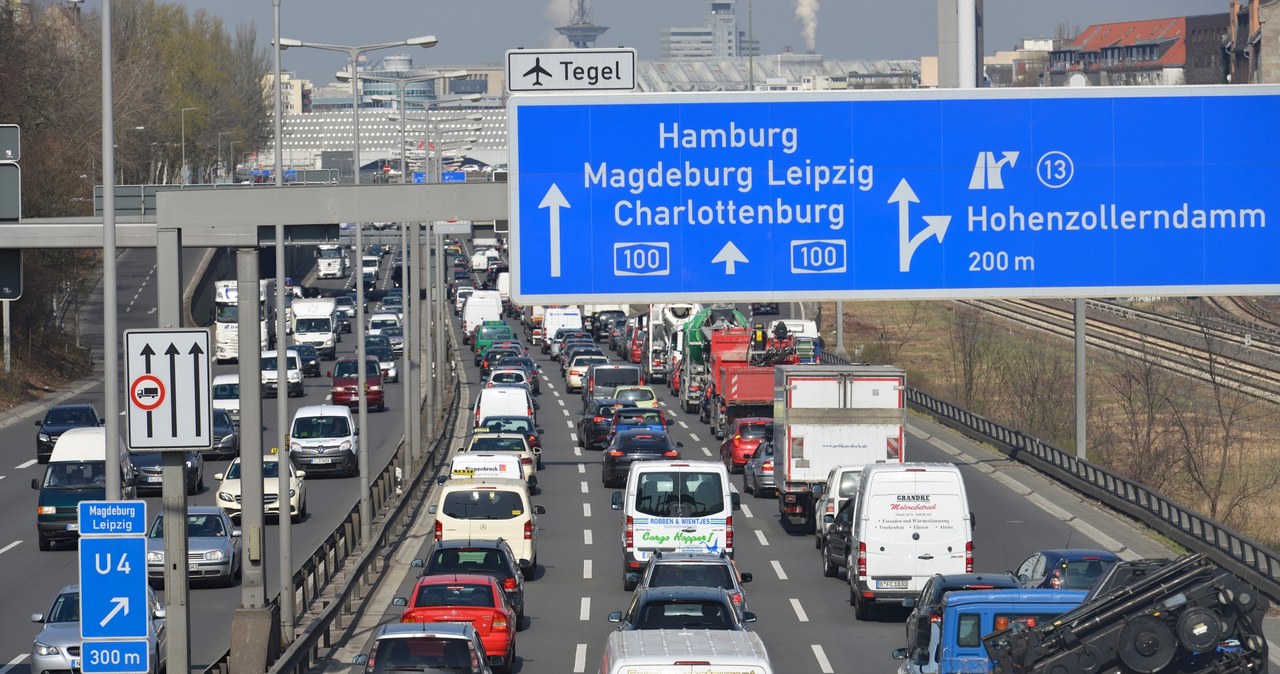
x,y
537,71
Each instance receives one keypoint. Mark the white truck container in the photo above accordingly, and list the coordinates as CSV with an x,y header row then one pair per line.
x,y
685,652
481,306
315,322
561,317
226,303
830,415
331,261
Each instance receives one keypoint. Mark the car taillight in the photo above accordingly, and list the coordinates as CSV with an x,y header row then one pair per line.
x,y
528,530
672,453
694,387
484,363
629,533
533,439
509,584
615,452
862,560
597,419
524,460
968,557
737,441
768,465
439,530
500,625
529,412
728,533
935,618
737,598
575,373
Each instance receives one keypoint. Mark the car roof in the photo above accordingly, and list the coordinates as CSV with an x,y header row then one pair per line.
x,y
1077,553
447,578
226,379
72,406
456,543
693,592
322,411
959,580
410,630
687,557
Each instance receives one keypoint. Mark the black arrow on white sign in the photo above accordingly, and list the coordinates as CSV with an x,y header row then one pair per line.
x,y
147,353
172,352
196,352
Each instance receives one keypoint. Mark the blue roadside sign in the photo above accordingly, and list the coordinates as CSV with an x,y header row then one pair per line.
x,y
115,657
893,194
453,177
113,588
113,518
419,178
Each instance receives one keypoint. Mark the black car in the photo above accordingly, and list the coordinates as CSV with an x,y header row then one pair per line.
x,y
759,308
681,608
58,420
488,557
837,545
628,447
226,434
310,359
930,599
370,280
150,470
494,355
603,323
596,422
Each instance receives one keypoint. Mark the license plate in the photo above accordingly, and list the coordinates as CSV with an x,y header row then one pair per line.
x,y
73,527
155,478
193,567
322,461
891,584
75,663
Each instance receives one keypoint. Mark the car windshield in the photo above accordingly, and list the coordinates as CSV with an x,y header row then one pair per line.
x,y
633,394
424,654
468,561
199,525
641,444
508,378
348,368
76,475
310,428
70,416
269,469
222,418
752,431
382,353
393,331
383,323
677,614
483,504
269,363
515,425
483,443
313,325
639,418
587,361
65,609
460,594
849,484
697,575
491,333
679,494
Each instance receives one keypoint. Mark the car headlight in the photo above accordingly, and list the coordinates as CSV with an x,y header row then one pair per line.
x,y
44,437
345,446
226,496
47,510
155,556
375,387
214,556
45,649
295,446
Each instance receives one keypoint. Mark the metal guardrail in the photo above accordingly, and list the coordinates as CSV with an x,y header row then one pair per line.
x,y
1237,553
325,566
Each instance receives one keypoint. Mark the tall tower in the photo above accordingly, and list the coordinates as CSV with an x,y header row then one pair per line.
x,y
580,32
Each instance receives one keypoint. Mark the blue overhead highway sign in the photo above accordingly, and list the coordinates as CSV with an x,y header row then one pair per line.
x,y
880,194
113,587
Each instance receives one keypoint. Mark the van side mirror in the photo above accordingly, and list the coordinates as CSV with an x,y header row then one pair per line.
x,y
748,617
735,500
431,509
35,483
362,659
899,654
539,510
744,578
441,479
615,502
819,489
417,563
973,522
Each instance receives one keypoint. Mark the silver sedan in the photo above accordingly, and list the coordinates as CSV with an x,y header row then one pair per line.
x,y
213,547
757,475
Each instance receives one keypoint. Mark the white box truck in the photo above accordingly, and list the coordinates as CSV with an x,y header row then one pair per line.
x,y
226,319
331,261
829,415
315,322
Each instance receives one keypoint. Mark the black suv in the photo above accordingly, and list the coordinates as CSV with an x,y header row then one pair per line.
x,y
489,557
60,419
677,608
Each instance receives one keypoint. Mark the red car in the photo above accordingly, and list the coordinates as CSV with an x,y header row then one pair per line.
x,y
635,352
741,441
346,383
465,598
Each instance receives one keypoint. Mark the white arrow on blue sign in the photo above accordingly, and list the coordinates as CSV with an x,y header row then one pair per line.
x,y
113,588
879,194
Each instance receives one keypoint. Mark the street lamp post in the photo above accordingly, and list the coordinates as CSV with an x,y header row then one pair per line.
x,y
220,135
183,115
353,53
233,157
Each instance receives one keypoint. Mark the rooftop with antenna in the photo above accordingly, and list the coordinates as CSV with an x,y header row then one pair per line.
x,y
580,32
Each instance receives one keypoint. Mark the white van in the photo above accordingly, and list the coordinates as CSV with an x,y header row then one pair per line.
x,y
841,485
911,521
460,299
491,508
293,375
504,401
560,317
484,466
226,394
481,306
504,286
684,651
323,438
674,506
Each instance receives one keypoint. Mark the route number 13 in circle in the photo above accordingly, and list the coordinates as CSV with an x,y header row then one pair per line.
x,y
1055,169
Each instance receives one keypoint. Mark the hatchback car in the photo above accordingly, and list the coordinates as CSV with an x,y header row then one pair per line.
x,y
492,557
741,440
310,359
596,422
682,608
631,446
396,337
757,475
427,647
531,368
629,417
640,396
1065,569
696,569
345,389
213,547
476,599
58,420
150,467
386,362
56,648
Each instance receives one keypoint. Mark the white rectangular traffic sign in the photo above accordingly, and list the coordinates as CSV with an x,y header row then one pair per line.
x,y
168,389
571,69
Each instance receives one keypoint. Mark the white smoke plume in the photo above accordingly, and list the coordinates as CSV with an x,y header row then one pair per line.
x,y
560,13
807,13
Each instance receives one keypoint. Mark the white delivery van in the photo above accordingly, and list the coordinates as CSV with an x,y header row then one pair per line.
x,y
323,438
685,652
911,521
226,394
674,506
481,306
315,322
504,286
561,317
504,401
491,508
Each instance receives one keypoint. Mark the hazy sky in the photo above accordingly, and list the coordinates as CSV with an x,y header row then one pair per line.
x,y
480,31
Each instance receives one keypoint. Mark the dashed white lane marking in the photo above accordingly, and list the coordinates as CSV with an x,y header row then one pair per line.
x,y
746,511
586,510
550,385
733,487
706,451
800,614
683,424
25,464
777,568
573,436
672,413
762,539
586,569
577,451
823,663
586,537
569,423
582,468
584,612
584,487
560,400
566,412
10,547
579,659
694,437
13,663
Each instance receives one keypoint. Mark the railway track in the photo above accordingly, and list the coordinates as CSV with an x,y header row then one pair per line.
x,y
1255,380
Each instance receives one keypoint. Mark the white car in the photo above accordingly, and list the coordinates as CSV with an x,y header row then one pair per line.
x,y
226,394
379,321
228,497
578,368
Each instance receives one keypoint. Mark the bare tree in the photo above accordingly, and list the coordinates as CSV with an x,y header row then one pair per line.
x,y
1134,435
1037,390
973,357
900,324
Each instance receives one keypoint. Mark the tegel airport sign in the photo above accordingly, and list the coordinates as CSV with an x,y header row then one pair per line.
x,y
571,69
882,194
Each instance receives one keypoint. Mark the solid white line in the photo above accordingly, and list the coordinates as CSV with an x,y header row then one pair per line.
x,y
682,424
582,468
821,655
586,510
586,569
586,537
584,612
584,487
777,568
579,659
706,451
800,614
13,663
24,464
694,436
10,547
746,511
760,535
